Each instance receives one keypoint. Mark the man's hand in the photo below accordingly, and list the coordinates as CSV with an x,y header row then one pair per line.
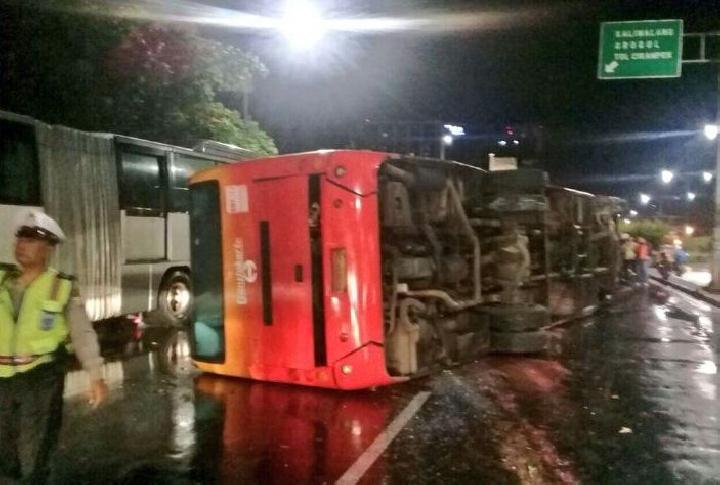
x,y
98,393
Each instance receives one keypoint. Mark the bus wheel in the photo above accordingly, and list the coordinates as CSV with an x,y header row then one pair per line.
x,y
175,299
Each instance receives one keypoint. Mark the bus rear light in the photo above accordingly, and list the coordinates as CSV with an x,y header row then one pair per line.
x,y
339,270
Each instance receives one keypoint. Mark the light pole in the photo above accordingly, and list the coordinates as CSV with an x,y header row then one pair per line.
x,y
448,133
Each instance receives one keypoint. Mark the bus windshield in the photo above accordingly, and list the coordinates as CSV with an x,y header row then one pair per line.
x,y
206,250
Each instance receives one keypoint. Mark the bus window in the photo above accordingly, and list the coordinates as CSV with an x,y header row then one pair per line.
x,y
206,251
19,177
141,181
181,170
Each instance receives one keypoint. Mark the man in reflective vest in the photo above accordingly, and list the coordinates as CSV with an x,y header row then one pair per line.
x,y
41,314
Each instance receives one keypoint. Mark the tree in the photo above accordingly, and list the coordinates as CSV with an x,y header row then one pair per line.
x,y
106,73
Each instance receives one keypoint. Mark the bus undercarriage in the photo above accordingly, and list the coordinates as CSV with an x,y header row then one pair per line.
x,y
474,262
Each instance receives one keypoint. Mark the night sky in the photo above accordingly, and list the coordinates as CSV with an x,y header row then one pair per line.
x,y
535,62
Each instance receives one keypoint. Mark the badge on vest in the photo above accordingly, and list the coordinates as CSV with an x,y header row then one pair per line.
x,y
47,320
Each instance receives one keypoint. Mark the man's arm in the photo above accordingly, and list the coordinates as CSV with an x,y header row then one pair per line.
x,y
84,338
86,347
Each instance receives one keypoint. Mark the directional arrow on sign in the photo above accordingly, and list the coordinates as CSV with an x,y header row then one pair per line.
x,y
610,68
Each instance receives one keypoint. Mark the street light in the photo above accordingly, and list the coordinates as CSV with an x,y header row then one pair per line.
x,y
691,196
302,24
633,213
707,177
711,131
447,140
689,230
666,176
645,199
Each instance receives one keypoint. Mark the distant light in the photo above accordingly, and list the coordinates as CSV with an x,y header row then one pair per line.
x,y
502,143
627,221
689,230
645,199
491,155
516,142
447,139
711,131
691,196
707,176
677,242
666,176
633,213
302,24
509,131
455,130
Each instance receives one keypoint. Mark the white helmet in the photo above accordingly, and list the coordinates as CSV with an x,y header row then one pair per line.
x,y
39,225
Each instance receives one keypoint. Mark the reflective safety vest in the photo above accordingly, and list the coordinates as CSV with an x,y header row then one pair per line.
x,y
40,328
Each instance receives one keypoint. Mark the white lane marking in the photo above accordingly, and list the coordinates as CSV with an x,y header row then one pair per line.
x,y
382,441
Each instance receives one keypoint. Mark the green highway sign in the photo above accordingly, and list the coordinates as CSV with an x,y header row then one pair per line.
x,y
640,49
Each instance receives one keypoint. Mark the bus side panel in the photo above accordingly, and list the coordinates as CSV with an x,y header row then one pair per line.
x,y
353,310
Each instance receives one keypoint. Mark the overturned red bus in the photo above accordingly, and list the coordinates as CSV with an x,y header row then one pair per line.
x,y
352,269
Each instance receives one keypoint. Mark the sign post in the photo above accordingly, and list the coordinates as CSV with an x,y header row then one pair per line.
x,y
640,49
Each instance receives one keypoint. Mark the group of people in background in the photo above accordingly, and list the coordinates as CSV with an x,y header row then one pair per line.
x,y
637,257
638,253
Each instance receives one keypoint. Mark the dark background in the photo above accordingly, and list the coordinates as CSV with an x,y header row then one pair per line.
x,y
533,66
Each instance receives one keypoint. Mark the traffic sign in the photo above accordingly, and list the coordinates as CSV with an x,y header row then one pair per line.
x,y
640,49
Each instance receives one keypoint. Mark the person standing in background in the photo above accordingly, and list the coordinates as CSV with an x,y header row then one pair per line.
x,y
643,259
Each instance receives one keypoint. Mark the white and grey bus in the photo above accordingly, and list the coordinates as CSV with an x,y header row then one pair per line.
x,y
122,202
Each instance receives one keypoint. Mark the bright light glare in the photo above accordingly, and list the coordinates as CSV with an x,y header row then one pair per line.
x,y
666,176
455,130
645,199
633,213
302,24
691,196
711,131
627,221
689,230
516,142
502,143
447,139
707,177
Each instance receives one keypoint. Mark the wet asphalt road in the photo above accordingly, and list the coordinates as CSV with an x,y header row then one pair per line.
x,y
629,396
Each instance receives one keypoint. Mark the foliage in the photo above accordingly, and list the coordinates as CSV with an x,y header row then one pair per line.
x,y
699,248
654,231
215,121
103,72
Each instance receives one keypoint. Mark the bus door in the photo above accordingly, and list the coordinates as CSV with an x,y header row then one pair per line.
x,y
282,211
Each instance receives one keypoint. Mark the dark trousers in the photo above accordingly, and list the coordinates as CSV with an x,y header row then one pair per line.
x,y
30,418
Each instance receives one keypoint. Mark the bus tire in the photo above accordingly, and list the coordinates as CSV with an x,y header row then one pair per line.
x,y
519,342
517,318
175,299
